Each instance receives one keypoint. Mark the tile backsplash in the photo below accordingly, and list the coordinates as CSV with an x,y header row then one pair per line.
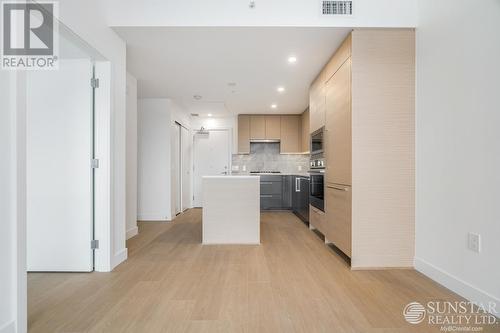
x,y
267,157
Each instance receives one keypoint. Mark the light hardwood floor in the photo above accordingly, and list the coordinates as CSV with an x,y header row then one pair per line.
x,y
171,283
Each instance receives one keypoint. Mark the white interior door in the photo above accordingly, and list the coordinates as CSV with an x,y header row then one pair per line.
x,y
186,144
59,174
211,158
176,168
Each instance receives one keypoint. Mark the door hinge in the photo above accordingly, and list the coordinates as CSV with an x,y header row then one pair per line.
x,y
94,82
94,244
94,163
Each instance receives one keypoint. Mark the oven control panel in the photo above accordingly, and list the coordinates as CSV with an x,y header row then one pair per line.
x,y
317,164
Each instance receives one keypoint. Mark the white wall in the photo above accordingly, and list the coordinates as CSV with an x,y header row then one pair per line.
x,y
131,137
153,168
458,154
368,13
87,19
155,120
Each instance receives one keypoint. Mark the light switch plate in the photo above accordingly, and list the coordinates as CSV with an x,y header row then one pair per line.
x,y
474,242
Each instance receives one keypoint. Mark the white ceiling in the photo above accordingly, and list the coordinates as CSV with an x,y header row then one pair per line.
x,y
180,62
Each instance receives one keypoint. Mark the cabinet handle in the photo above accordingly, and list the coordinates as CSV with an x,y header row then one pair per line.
x,y
266,183
266,196
345,189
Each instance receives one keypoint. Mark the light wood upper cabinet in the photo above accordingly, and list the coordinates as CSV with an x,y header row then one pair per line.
x,y
338,147
257,127
243,134
317,103
342,54
290,134
305,136
338,227
273,127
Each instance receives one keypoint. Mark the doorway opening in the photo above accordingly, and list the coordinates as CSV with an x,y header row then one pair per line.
x,y
61,161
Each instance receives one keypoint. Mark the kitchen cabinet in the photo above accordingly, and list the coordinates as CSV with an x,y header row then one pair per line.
x,y
257,127
305,136
290,134
341,55
338,139
300,197
243,134
271,188
317,219
369,117
338,207
291,130
273,127
287,193
317,103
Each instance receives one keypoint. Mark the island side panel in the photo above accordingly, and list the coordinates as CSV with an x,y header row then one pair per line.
x,y
231,210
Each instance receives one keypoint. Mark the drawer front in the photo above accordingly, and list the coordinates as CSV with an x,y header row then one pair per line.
x,y
270,187
271,178
338,200
317,218
270,201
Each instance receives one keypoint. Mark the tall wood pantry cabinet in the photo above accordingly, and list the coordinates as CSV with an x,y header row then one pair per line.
x,y
364,98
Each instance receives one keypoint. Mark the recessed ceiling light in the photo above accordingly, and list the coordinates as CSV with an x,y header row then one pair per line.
x,y
210,115
292,59
197,97
280,89
274,106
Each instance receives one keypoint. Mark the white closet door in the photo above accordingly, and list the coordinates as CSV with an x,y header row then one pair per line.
x,y
176,175
186,144
59,174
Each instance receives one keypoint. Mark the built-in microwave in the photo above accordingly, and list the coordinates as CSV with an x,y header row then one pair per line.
x,y
317,143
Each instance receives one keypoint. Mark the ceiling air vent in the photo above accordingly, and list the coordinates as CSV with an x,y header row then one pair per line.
x,y
195,114
341,8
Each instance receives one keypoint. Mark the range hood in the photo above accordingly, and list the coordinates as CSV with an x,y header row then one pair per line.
x,y
264,140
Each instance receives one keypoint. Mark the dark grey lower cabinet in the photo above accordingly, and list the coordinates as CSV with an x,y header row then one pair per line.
x,y
285,193
300,197
271,188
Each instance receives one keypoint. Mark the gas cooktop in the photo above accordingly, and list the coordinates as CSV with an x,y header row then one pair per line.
x,y
265,171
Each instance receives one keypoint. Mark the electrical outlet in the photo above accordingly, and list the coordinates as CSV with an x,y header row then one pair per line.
x,y
244,168
474,242
300,167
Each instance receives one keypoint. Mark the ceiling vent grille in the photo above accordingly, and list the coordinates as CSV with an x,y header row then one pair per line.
x,y
341,8
195,114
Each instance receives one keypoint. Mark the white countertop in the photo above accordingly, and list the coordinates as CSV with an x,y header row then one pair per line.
x,y
302,174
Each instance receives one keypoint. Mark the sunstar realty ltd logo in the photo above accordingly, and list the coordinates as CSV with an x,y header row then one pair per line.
x,y
29,35
452,315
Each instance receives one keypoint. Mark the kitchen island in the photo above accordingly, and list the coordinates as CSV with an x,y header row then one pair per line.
x,y
231,210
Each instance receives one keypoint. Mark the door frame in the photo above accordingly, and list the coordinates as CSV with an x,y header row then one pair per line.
x,y
193,159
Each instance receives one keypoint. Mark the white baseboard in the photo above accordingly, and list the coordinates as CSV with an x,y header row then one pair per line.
x,y
132,232
119,257
153,218
456,285
8,327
